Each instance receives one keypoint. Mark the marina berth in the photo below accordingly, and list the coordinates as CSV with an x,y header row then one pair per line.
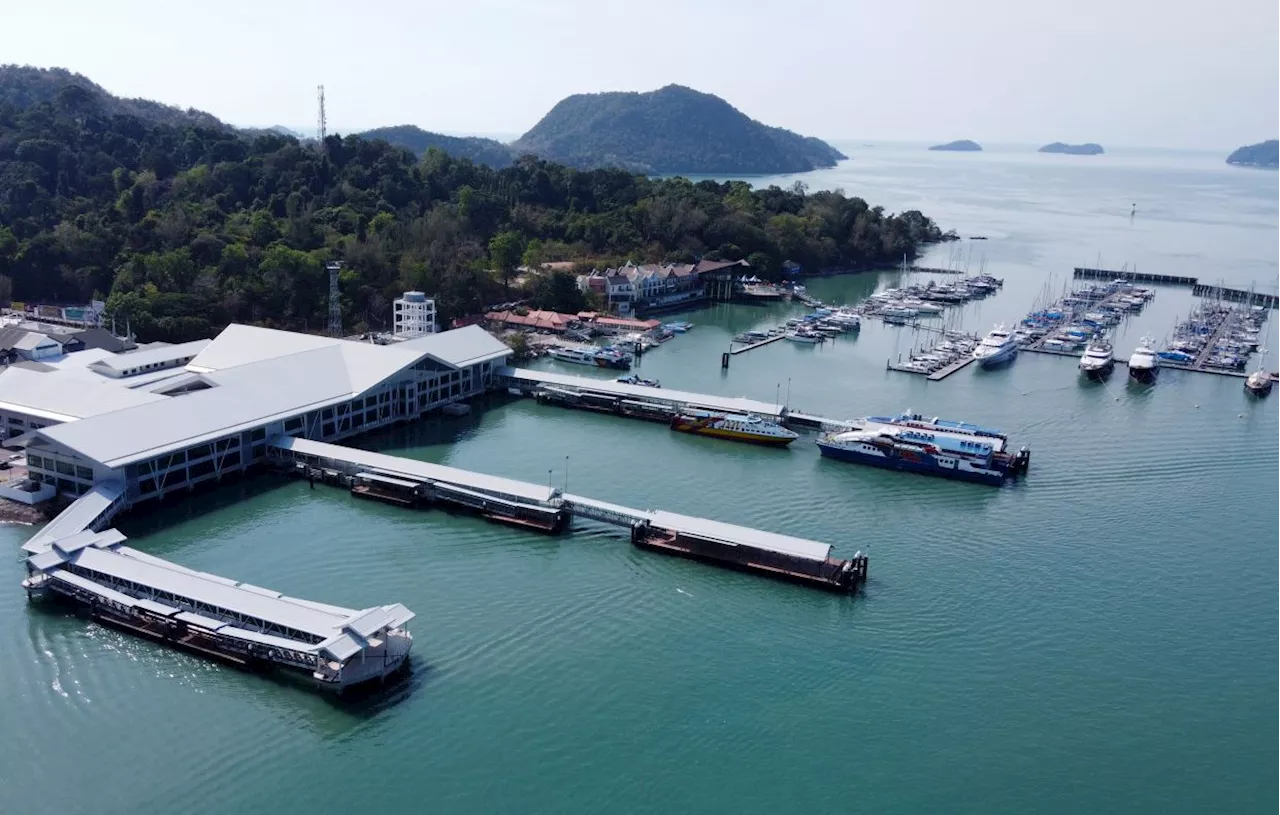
x,y
1098,361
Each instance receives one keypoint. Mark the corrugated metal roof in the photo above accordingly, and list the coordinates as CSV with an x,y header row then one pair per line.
x,y
734,534
152,356
62,397
728,404
460,347
77,517
277,610
412,468
240,345
248,396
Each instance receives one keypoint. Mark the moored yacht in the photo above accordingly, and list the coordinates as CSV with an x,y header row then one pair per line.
x,y
736,427
1097,362
997,347
1144,365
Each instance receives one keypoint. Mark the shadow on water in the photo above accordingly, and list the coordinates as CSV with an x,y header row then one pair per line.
x,y
152,517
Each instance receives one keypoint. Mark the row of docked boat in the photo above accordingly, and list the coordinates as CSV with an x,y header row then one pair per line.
x,y
1070,322
823,324
954,347
909,442
1223,336
897,305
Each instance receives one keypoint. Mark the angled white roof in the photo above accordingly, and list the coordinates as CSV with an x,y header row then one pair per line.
x,y
727,404
247,396
246,344
733,534
460,347
150,356
62,396
32,340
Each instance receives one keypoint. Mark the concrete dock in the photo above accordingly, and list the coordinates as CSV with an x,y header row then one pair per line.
x,y
546,508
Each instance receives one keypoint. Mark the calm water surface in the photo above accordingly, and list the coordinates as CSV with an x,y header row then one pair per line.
x,y
1099,637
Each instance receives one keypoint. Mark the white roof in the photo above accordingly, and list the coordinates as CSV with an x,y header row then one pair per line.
x,y
150,356
31,341
61,396
240,345
460,347
411,469
724,404
733,534
248,396
77,517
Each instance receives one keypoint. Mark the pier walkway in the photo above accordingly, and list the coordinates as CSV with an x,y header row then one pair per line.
x,y
240,623
534,505
753,346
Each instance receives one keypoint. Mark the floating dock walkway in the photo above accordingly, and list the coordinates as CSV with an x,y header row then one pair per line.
x,y
753,346
1198,289
75,558
641,402
547,508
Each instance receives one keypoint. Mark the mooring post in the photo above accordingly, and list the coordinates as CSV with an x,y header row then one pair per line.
x,y
724,360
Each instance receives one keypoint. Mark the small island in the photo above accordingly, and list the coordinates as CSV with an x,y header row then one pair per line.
x,y
1088,149
961,145
1263,154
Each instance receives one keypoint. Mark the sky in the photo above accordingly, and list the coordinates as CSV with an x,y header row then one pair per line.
x,y
1166,73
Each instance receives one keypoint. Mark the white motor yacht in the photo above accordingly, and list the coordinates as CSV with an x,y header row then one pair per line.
x,y
997,347
1144,365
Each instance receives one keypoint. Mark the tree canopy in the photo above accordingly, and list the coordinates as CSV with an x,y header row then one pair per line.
x,y
184,228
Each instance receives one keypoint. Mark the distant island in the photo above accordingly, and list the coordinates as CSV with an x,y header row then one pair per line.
x,y
1088,149
481,151
960,146
1262,154
671,130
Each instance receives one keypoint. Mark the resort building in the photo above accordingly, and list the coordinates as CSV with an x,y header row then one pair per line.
x,y
164,419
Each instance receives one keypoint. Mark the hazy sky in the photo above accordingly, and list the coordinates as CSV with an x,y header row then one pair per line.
x,y
1120,72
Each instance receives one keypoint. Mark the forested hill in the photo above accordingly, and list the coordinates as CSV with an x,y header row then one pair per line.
x,y
671,130
1262,154
411,137
187,228
22,86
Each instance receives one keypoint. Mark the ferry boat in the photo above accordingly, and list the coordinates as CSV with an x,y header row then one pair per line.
x,y
918,421
962,456
599,357
737,427
1097,362
1144,365
997,347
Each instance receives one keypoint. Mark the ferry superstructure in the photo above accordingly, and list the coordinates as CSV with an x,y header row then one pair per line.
x,y
930,446
735,427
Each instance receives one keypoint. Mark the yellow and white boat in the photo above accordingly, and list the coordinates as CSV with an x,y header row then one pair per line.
x,y
736,427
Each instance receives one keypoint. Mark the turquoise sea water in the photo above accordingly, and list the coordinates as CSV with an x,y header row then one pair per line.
x,y
1099,637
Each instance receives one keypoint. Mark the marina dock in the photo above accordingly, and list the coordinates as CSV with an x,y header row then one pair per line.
x,y
1198,289
753,346
548,509
943,373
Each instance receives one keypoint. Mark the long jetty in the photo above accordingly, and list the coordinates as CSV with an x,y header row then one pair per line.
x,y
404,481
1198,289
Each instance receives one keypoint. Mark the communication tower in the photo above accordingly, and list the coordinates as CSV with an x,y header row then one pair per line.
x,y
335,307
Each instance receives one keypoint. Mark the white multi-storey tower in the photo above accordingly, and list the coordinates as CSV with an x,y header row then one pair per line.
x,y
414,315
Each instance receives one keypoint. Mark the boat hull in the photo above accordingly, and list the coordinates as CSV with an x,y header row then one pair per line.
x,y
919,464
999,358
1098,373
681,426
1144,375
1258,388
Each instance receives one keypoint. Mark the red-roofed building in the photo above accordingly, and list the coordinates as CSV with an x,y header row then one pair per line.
x,y
537,320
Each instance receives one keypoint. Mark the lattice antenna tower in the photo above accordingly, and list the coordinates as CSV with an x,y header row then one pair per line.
x,y
335,307
320,132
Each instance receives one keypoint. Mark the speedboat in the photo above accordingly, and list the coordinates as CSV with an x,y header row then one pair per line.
x,y
1144,366
635,379
805,337
1097,362
997,347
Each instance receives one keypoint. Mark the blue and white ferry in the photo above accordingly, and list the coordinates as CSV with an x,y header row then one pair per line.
x,y
931,446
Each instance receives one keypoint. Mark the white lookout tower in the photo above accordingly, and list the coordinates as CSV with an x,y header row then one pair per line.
x,y
415,315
